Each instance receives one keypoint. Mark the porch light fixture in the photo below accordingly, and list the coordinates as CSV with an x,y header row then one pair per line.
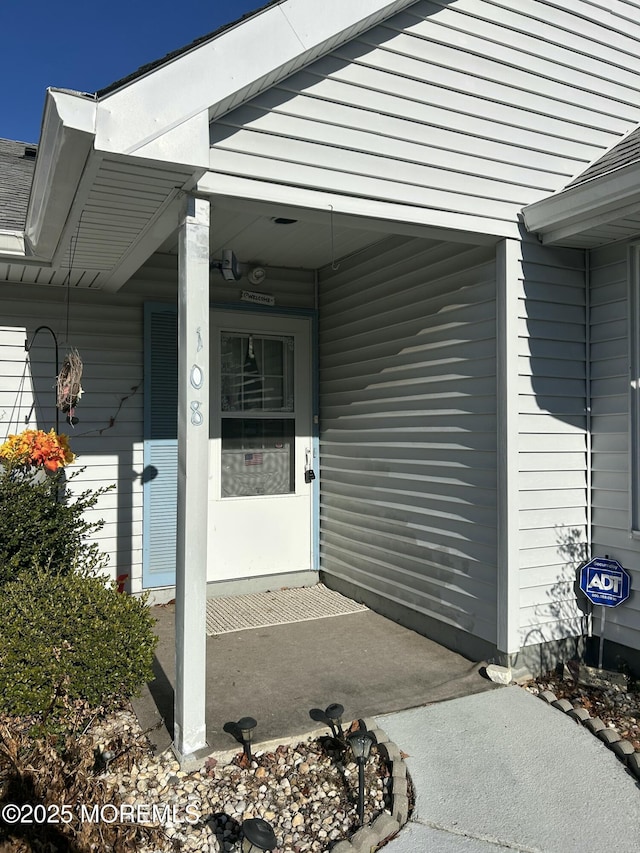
x,y
228,266
258,836
334,714
246,726
283,220
360,743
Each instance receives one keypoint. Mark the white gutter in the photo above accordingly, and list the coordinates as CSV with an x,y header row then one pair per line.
x,y
11,244
66,142
572,211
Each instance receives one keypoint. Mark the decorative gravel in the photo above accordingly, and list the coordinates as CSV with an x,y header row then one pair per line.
x,y
617,707
307,792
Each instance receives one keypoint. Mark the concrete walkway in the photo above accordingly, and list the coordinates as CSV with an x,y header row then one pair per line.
x,y
493,767
503,770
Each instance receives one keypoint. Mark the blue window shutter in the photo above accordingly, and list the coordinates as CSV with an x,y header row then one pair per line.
x,y
160,476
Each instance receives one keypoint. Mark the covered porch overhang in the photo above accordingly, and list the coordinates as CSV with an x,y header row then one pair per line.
x,y
245,217
195,215
122,209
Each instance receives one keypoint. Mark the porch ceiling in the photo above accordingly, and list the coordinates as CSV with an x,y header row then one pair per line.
x,y
258,239
132,210
127,208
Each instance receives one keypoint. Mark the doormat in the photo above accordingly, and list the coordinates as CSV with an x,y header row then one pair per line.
x,y
280,607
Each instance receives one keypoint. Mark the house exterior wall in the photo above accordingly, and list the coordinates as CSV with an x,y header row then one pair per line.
x,y
610,422
553,443
408,435
468,109
107,330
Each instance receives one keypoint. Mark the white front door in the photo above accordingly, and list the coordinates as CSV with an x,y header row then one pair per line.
x,y
259,498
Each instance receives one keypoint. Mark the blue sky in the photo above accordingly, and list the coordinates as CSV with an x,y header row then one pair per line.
x,y
88,45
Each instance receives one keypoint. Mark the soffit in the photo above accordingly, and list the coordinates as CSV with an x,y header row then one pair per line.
x,y
119,203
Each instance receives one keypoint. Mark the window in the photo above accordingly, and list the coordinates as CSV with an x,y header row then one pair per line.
x,y
257,408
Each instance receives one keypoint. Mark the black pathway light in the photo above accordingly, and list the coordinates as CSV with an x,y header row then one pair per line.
x,y
360,742
334,714
258,835
246,726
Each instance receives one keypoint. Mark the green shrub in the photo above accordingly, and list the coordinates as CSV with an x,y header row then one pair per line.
x,y
42,525
68,638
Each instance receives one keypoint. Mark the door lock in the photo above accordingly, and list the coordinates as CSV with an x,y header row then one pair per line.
x,y
309,474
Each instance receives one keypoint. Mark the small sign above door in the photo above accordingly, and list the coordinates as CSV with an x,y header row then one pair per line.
x,y
257,298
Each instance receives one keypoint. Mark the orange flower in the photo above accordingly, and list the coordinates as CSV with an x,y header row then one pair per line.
x,y
38,448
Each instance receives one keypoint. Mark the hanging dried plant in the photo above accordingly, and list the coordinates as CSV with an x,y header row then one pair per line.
x,y
69,389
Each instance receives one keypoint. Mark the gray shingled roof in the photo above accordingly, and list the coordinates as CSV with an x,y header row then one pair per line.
x,y
16,174
626,152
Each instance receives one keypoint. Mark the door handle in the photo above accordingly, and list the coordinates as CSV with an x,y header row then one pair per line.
x,y
309,474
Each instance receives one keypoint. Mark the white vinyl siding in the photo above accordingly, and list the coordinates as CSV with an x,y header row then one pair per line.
x,y
611,499
552,441
107,330
465,109
408,429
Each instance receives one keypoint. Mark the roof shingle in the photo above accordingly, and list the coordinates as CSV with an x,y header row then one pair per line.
x,y
623,153
17,161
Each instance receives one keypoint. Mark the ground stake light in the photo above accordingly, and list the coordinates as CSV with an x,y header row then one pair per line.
x,y
107,757
360,743
334,714
246,726
258,836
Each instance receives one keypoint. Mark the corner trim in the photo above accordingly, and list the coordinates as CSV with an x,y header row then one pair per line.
x,y
508,271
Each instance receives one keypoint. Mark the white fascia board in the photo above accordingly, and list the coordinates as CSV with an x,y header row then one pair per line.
x,y
66,142
572,211
186,144
238,63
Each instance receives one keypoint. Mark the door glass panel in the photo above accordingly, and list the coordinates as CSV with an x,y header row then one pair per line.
x,y
257,456
256,373
256,377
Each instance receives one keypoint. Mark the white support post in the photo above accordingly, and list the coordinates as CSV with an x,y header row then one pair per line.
x,y
508,272
193,476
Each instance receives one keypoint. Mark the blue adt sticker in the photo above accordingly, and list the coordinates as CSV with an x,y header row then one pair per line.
x,y
605,582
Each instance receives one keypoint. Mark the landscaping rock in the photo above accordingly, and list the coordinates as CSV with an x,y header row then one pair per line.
x,y
499,674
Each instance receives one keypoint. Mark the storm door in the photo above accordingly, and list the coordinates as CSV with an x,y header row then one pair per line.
x,y
259,497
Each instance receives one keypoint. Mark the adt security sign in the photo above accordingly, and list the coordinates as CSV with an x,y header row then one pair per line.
x,y
605,582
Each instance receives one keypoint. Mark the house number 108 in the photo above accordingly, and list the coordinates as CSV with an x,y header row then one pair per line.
x,y
197,379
